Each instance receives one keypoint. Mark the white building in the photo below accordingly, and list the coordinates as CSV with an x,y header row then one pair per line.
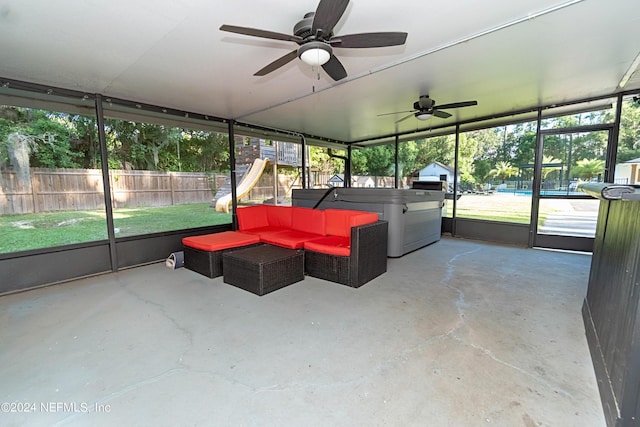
x,y
437,171
628,172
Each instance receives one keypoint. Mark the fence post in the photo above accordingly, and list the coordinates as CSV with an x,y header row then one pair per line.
x,y
171,187
34,190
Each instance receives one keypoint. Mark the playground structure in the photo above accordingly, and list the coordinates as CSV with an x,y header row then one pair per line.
x,y
253,155
249,180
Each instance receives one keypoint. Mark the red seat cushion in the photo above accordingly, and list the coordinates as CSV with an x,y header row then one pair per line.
x,y
218,241
334,245
263,231
308,220
292,239
339,221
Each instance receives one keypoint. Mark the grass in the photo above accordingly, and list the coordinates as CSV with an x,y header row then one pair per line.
x,y
33,231
505,207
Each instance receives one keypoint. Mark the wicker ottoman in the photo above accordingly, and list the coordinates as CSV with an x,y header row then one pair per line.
x,y
263,269
203,254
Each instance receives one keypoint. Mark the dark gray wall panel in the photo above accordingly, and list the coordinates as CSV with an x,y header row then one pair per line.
x,y
447,225
571,243
156,247
501,232
38,269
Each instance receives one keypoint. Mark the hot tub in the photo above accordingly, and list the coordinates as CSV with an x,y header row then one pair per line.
x,y
414,216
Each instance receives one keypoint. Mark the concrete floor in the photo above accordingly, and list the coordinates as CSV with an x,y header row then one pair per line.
x,y
459,333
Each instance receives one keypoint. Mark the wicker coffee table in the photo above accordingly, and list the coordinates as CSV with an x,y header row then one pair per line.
x,y
263,269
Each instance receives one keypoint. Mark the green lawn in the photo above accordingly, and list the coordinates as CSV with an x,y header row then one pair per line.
x,y
504,207
32,231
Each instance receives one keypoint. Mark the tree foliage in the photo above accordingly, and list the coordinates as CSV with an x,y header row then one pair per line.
x,y
61,140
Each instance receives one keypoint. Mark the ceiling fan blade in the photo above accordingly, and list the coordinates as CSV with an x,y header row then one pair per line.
x,y
369,40
277,63
335,69
441,114
457,105
327,15
405,118
261,33
396,112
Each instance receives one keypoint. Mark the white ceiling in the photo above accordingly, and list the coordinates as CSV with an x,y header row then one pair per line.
x,y
507,55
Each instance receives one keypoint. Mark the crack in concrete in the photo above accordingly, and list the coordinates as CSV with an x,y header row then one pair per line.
x,y
159,377
163,311
460,304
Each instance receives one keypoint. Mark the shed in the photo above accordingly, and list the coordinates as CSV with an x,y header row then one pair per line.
x,y
437,171
628,172
364,182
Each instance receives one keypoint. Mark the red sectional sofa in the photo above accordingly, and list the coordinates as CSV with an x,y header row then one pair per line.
x,y
343,246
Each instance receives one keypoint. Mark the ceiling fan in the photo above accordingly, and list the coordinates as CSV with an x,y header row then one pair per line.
x,y
314,34
426,107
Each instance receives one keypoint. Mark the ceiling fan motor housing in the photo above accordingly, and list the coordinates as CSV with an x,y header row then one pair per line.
x,y
423,103
303,28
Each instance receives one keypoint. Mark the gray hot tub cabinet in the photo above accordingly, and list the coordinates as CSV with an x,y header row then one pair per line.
x,y
414,216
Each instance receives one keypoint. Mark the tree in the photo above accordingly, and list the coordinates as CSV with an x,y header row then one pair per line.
x,y
45,138
629,137
503,170
588,168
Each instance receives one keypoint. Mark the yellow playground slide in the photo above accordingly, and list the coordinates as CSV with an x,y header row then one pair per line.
x,y
249,180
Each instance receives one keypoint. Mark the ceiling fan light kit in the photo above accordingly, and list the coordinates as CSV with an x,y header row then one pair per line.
x,y
314,35
423,116
315,53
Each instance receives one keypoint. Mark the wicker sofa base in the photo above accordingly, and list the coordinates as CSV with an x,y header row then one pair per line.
x,y
367,261
339,269
207,263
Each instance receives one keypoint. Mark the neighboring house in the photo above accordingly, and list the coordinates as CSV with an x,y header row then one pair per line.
x,y
628,172
364,182
437,171
337,180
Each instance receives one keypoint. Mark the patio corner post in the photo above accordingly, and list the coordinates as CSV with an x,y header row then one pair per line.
x,y
304,161
232,172
455,181
612,147
106,183
537,179
347,168
397,177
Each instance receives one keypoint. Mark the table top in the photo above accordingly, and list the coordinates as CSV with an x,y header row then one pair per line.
x,y
263,253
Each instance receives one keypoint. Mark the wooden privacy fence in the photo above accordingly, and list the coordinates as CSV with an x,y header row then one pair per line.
x,y
49,190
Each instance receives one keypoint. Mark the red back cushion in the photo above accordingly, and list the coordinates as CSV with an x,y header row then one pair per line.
x,y
252,217
279,216
308,220
339,222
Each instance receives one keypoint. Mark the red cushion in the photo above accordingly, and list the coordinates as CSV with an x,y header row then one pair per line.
x,y
218,241
289,239
339,221
263,231
308,220
334,245
279,216
252,217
